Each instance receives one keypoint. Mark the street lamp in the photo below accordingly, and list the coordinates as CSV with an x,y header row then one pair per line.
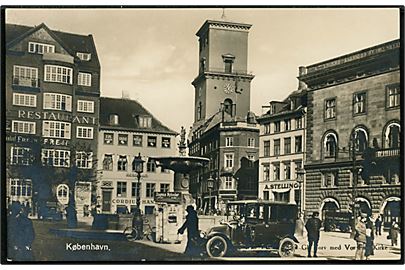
x,y
137,166
210,185
300,178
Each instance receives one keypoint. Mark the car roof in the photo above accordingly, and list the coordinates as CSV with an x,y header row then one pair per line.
x,y
259,202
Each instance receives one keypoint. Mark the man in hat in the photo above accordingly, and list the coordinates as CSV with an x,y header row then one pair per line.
x,y
191,225
313,227
360,236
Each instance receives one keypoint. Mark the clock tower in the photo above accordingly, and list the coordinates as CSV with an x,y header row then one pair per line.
x,y
223,82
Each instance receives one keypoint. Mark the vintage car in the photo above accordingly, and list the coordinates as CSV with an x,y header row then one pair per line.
x,y
254,225
341,220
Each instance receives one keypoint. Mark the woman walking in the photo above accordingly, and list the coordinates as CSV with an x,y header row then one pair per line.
x,y
369,238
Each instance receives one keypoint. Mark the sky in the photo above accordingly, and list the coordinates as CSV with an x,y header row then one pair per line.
x,y
152,54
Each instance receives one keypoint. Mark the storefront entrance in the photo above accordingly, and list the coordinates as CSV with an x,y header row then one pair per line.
x,y
106,207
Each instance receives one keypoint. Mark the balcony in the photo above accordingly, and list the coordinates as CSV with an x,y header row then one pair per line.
x,y
390,152
24,82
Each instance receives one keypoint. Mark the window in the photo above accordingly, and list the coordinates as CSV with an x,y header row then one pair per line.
x,y
330,108
199,111
228,141
392,137
150,190
84,160
25,100
298,122
58,74
62,193
152,141
266,172
282,196
393,96
298,144
23,127
330,145
150,166
121,189
329,179
277,147
56,158
277,126
122,163
287,171
228,183
266,152
53,101
108,162
55,129
266,195
135,191
114,119
84,56
108,138
25,76
164,188
298,165
276,171
228,160
228,61
85,106
40,48
20,155
84,132
122,139
228,106
266,128
84,79
251,142
145,121
359,103
287,145
361,142
137,140
287,124
165,142
21,187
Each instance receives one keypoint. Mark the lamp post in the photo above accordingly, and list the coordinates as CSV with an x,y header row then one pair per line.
x,y
210,185
300,178
137,166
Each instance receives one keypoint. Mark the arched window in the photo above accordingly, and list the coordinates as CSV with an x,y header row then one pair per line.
x,y
62,193
199,111
361,139
228,104
330,145
392,136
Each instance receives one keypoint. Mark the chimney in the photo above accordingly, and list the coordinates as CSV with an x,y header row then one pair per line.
x,y
301,71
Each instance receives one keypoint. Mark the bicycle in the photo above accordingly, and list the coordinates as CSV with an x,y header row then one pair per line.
x,y
133,233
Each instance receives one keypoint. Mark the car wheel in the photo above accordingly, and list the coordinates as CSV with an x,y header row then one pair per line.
x,y
217,246
286,248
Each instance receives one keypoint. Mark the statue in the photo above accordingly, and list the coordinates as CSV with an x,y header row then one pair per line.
x,y
182,143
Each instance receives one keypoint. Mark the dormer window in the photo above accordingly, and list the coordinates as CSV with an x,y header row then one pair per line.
x,y
84,56
114,119
145,121
40,48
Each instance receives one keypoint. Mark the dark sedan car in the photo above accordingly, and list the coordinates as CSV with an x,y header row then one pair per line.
x,y
254,224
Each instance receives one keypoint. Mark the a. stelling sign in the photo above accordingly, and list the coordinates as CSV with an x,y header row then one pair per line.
x,y
283,186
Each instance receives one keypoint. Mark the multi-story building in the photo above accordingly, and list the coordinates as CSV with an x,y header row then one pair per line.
x,y
224,129
353,132
52,95
127,129
282,148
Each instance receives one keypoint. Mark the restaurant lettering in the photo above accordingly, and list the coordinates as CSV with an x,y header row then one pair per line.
x,y
130,201
57,117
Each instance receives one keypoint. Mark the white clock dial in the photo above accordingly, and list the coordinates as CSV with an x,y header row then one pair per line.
x,y
228,88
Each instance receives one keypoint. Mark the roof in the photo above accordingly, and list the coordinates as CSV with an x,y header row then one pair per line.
x,y
73,43
128,110
260,201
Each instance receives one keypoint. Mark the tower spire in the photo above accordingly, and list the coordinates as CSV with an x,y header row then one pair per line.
x,y
223,17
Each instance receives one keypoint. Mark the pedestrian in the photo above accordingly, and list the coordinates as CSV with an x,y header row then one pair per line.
x,y
313,227
378,223
20,234
191,224
360,236
369,249
299,225
394,231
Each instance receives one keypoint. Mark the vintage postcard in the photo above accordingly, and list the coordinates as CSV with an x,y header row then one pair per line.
x,y
202,134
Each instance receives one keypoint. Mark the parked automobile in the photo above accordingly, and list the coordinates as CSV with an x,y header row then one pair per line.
x,y
48,210
338,220
254,225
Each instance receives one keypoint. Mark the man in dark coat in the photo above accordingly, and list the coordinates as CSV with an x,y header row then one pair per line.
x,y
191,225
313,227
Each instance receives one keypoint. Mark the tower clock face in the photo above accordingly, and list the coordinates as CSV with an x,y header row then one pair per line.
x,y
184,183
228,88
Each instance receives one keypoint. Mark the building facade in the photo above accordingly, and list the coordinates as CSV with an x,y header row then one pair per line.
x,y
52,97
127,129
282,147
353,132
224,129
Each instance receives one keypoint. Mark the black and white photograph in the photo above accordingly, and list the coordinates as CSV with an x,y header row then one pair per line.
x,y
202,134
